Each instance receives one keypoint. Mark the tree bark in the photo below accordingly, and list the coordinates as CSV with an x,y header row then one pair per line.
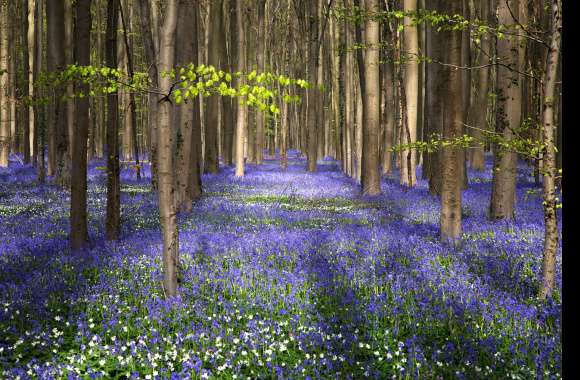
x,y
78,211
113,221
370,176
548,129
24,37
260,57
452,128
166,193
151,61
411,83
55,22
242,108
4,99
503,196
213,102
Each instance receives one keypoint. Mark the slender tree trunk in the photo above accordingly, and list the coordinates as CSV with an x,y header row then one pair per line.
x,y
480,103
133,143
25,85
411,83
312,142
213,102
434,92
39,118
113,222
549,159
78,211
370,177
70,103
229,56
185,38
452,128
195,161
166,193
260,137
242,108
56,63
503,196
32,131
151,61
4,99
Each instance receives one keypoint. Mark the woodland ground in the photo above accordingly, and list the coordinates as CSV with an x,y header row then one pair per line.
x,y
283,275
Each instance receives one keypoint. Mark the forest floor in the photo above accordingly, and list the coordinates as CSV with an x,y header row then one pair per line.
x,y
283,275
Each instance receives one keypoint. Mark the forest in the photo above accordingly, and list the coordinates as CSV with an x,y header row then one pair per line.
x,y
280,189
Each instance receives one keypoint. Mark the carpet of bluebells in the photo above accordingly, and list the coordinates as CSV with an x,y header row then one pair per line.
x,y
284,275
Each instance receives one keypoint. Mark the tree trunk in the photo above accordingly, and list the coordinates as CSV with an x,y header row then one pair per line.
x,y
195,161
228,106
32,131
411,82
166,193
312,95
452,128
213,102
133,144
151,61
242,107
548,129
55,22
4,99
186,37
260,57
24,37
69,59
78,210
39,118
479,110
113,222
370,177
503,196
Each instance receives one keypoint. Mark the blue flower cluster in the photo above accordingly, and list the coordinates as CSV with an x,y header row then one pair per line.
x,y
284,274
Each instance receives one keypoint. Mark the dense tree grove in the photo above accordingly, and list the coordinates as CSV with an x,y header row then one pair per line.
x,y
348,167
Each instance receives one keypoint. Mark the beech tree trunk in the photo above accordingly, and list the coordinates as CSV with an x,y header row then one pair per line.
x,y
25,122
370,176
4,85
503,196
213,102
151,61
479,110
261,59
55,22
452,128
113,222
78,211
411,83
242,108
549,159
165,138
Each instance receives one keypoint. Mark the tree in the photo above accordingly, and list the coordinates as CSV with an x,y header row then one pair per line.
x,y
478,115
450,221
549,158
411,83
186,37
503,195
213,102
56,63
242,108
113,221
167,209
313,74
370,175
78,211
151,61
260,56
4,100
24,37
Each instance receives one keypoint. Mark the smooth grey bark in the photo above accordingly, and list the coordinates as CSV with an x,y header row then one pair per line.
x,y
4,100
56,63
165,138
370,176
113,218
549,158
242,108
78,211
